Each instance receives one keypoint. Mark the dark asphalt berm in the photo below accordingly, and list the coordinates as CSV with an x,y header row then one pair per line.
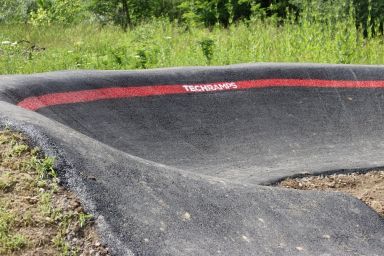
x,y
185,173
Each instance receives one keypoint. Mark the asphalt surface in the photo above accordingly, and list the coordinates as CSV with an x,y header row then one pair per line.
x,y
175,161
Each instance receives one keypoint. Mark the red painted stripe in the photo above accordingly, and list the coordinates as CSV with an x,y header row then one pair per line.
x,y
35,103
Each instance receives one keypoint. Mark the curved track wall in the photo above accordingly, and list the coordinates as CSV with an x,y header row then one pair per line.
x,y
171,160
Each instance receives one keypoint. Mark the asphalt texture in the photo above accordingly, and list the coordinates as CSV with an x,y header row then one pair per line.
x,y
177,161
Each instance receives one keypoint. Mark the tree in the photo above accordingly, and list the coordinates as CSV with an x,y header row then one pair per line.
x,y
369,16
111,11
126,17
14,11
57,11
127,13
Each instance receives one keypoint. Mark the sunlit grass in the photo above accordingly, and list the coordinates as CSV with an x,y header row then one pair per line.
x,y
165,44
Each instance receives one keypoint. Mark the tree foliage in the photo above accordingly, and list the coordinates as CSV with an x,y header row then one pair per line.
x,y
131,12
211,12
57,11
14,11
369,14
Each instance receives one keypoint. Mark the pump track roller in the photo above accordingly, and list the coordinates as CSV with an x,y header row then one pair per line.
x,y
178,161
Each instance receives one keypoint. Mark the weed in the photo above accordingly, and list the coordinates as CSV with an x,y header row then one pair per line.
x,y
9,242
44,167
207,46
83,218
18,149
142,59
45,203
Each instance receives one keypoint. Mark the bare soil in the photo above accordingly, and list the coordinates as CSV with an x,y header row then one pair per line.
x,y
368,187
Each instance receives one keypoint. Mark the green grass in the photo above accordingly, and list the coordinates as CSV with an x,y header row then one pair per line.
x,y
36,214
9,240
165,44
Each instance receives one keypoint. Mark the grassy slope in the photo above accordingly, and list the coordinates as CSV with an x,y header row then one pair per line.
x,y
164,44
37,216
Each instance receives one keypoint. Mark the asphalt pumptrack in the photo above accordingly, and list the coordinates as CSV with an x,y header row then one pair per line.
x,y
182,161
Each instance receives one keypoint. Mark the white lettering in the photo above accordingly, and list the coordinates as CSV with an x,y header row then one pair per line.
x,y
210,87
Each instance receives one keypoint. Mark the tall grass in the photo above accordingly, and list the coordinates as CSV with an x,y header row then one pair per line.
x,y
316,37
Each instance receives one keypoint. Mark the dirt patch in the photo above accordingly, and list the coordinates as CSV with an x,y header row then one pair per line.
x,y
368,187
37,216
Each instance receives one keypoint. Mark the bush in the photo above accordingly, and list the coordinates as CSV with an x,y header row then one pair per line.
x,y
15,11
57,11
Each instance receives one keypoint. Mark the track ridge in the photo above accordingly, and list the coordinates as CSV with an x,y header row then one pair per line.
x,y
173,161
